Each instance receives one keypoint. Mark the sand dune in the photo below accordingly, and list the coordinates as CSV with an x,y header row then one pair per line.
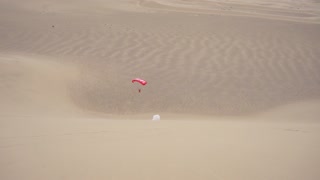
x,y
234,80
303,11
212,65
33,86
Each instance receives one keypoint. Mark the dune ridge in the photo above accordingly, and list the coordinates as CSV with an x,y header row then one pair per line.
x,y
302,11
210,65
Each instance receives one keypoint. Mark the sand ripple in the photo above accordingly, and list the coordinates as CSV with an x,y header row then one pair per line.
x,y
194,64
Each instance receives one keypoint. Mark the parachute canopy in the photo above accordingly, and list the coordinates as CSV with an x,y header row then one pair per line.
x,y
141,81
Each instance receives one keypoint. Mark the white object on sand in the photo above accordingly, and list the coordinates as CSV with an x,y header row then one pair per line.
x,y
156,117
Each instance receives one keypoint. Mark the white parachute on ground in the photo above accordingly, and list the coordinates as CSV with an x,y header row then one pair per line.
x,y
156,117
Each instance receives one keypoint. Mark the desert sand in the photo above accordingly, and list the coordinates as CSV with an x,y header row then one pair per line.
x,y
236,83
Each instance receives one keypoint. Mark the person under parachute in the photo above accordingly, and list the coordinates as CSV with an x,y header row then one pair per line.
x,y
141,81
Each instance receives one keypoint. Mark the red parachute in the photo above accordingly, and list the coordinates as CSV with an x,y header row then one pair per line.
x,y
141,81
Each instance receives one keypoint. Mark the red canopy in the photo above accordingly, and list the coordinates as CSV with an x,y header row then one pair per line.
x,y
141,81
